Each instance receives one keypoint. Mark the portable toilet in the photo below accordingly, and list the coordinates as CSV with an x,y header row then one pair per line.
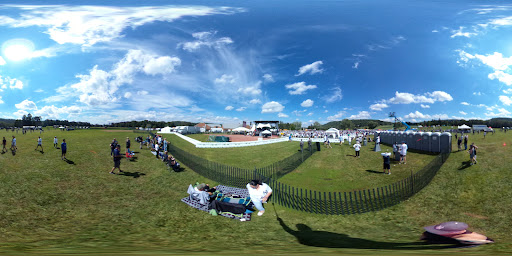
x,y
409,139
435,145
425,141
445,142
418,137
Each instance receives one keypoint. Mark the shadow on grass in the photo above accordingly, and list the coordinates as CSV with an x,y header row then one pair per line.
x,y
351,155
378,172
132,174
69,161
464,165
307,236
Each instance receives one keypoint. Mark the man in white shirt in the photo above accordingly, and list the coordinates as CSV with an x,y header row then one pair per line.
x,y
55,142
357,147
403,153
259,192
40,144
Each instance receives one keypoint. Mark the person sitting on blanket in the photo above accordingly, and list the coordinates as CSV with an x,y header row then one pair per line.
x,y
259,193
165,157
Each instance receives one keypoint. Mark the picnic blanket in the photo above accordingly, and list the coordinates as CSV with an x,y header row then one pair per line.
x,y
225,191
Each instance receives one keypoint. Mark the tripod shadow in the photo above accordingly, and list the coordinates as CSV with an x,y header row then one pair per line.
x,y
372,171
132,174
69,161
307,236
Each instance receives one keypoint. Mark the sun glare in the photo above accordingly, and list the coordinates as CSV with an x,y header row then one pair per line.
x,y
17,49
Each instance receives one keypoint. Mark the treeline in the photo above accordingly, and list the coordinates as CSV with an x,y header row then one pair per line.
x,y
29,120
494,122
151,124
347,124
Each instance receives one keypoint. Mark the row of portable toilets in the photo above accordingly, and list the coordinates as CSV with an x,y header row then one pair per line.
x,y
434,142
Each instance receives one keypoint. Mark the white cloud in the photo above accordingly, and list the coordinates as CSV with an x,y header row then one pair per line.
x,y
39,91
310,113
435,31
272,107
334,96
505,100
95,89
361,115
268,78
2,61
465,103
312,68
26,105
459,32
225,79
336,117
496,60
253,90
424,106
205,39
53,112
501,113
15,84
307,103
255,101
501,76
1,101
127,95
431,97
282,115
88,25
20,113
477,93
142,93
326,111
299,88
378,106
421,116
161,65
229,108
463,113
507,91
241,109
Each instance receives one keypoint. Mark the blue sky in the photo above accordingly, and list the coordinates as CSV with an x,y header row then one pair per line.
x,y
229,61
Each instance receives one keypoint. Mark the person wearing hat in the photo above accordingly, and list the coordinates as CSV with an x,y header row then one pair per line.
x,y
259,193
117,159
357,147
387,162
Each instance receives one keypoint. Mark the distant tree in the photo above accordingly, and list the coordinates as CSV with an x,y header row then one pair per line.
x,y
372,125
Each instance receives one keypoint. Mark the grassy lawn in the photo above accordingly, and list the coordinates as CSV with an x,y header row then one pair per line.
x,y
199,136
49,206
336,169
244,157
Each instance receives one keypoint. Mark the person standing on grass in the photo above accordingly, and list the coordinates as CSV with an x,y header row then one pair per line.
x,y
55,142
386,157
403,153
40,144
301,145
357,147
259,193
4,144
465,142
113,145
117,160
13,144
165,144
128,144
64,149
472,153
459,142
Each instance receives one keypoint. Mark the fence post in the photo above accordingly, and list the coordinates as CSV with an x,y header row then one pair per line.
x,y
412,184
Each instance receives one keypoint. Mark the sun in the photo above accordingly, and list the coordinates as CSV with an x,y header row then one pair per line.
x,y
17,49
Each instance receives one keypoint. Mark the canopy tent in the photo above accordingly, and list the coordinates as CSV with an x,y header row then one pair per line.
x,y
165,130
463,127
334,132
241,129
261,126
266,132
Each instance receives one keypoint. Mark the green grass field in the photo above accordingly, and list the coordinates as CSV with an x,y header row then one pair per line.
x,y
53,207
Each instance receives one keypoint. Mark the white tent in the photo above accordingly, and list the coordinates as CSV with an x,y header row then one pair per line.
x,y
241,129
261,126
165,130
463,127
266,132
334,132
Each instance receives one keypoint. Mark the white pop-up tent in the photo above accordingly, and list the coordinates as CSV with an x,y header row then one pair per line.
x,y
333,132
165,130
241,129
463,127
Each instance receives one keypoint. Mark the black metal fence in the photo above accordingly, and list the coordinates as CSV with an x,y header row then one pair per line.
x,y
330,203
